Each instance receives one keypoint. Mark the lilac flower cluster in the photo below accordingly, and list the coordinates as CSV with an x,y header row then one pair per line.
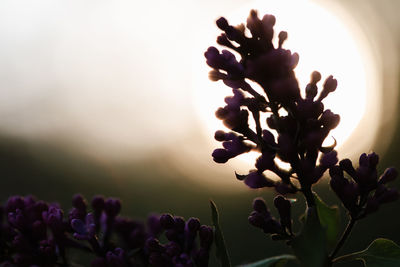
x,y
296,124
364,192
301,123
36,233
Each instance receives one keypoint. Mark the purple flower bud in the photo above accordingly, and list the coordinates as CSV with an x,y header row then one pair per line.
x,y
373,160
76,214
206,235
336,172
363,160
98,203
329,119
112,207
315,77
193,225
311,91
13,203
283,206
17,219
79,202
53,217
215,75
223,40
80,229
345,190
220,135
265,162
328,87
84,230
179,223
329,159
221,155
78,226
154,225
167,221
256,219
389,175
38,209
258,180
255,25
233,147
282,38
213,59
222,23
268,137
269,20
347,166
259,205
386,195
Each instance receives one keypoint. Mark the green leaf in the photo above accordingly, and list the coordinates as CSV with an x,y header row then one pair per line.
x,y
310,245
380,253
222,252
329,218
277,261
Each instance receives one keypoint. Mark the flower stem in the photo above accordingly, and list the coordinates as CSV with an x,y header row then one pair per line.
x,y
343,238
309,196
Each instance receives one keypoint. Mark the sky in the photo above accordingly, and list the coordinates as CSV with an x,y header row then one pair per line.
x,y
127,79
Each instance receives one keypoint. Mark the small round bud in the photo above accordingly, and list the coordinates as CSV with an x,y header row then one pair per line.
x,y
259,205
219,135
389,175
167,221
282,37
315,77
222,23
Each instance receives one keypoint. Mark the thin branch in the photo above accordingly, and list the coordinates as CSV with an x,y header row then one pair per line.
x,y
343,238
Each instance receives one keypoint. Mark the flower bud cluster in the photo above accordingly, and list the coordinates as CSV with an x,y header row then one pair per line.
x,y
35,233
363,192
262,218
301,123
182,248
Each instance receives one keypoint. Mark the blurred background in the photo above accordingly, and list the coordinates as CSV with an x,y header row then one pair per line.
x,y
112,98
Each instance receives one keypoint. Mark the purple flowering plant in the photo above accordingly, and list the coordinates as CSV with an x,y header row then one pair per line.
x,y
265,89
289,126
36,233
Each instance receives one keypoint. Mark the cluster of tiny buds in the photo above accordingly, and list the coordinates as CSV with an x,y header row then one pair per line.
x,y
301,123
262,218
364,191
36,233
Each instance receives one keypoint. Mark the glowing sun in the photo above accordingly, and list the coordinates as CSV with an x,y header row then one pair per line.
x,y
325,43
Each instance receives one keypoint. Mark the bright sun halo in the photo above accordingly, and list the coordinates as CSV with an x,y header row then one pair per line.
x,y
324,43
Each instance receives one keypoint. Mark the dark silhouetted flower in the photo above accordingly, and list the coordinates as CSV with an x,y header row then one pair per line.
x,y
363,192
262,218
301,123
